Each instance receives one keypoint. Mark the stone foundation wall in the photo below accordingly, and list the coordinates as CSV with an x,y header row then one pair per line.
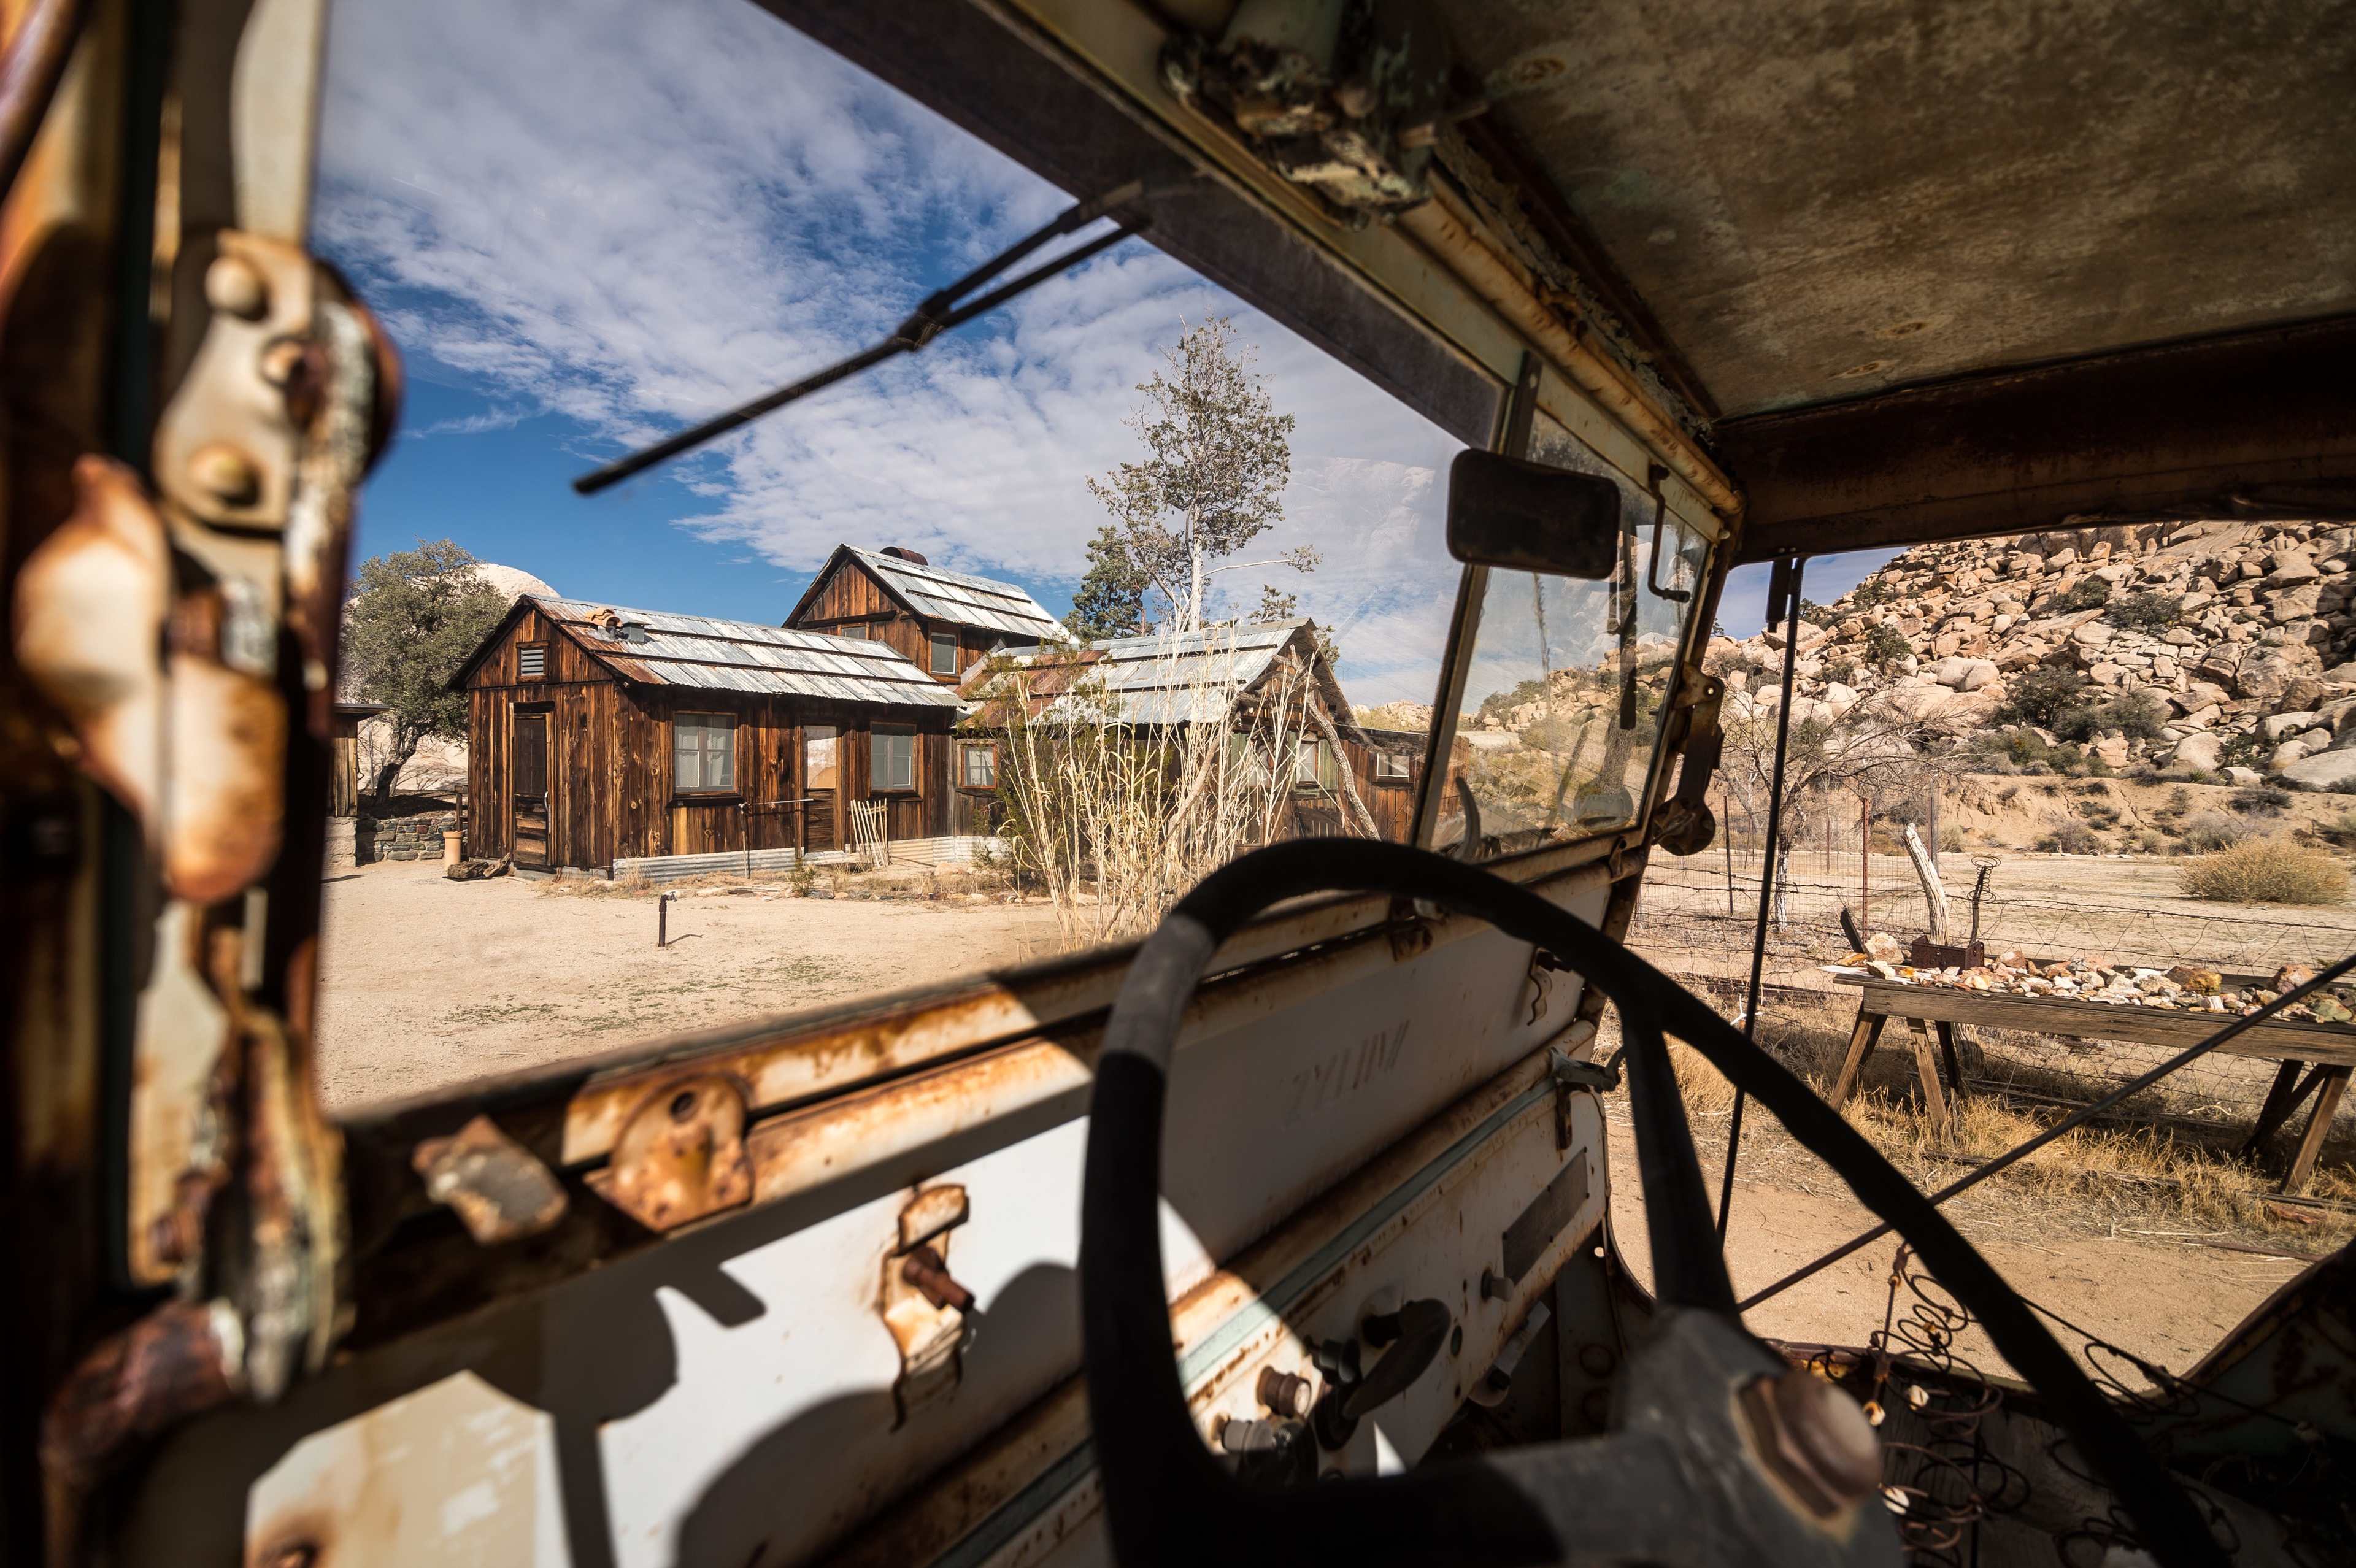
x,y
402,837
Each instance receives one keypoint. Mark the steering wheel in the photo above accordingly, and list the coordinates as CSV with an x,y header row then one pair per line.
x,y
1718,1452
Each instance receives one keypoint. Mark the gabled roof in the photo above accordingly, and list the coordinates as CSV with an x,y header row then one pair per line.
x,y
941,595
1190,679
697,653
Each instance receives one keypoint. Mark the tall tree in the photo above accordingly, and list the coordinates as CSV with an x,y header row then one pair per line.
x,y
1216,459
414,617
1111,598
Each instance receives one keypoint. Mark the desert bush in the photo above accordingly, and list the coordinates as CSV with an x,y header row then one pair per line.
x,y
2043,695
1951,837
1886,645
2090,593
1841,670
2148,612
2070,838
2137,715
2207,832
2244,752
2264,800
2266,870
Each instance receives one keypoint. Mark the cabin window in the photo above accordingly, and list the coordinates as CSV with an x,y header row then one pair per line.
x,y
1393,767
895,756
1312,765
531,661
703,746
857,629
944,653
978,765
818,747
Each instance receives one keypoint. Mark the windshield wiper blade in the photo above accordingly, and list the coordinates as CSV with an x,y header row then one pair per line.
x,y
939,312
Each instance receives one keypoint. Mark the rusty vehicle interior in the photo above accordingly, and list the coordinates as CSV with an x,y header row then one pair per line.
x,y
1281,1236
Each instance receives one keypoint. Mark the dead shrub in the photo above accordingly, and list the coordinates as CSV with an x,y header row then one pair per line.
x,y
2266,870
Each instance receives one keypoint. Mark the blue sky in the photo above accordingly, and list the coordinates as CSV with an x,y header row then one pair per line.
x,y
588,226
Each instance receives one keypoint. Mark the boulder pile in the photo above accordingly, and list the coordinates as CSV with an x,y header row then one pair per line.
x,y
2239,632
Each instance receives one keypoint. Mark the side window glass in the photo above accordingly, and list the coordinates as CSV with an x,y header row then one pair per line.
x,y
945,652
1562,706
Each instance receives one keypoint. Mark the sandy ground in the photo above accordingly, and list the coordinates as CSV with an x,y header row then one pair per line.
x,y
2165,1301
426,982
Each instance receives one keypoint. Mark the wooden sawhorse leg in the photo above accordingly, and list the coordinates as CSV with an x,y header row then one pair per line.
x,y
1954,1062
1926,1067
2319,1127
2282,1100
1861,1041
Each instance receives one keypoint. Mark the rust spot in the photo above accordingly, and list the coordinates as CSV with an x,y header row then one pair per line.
x,y
1867,368
681,1155
496,1186
91,602
178,1359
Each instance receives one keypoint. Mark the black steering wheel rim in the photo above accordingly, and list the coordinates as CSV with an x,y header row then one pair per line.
x,y
1161,1486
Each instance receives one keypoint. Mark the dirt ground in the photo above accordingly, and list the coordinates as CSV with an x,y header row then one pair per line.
x,y
2164,1299
427,982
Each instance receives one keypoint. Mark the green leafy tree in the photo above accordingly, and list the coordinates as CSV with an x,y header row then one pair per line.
x,y
1111,598
413,620
1217,456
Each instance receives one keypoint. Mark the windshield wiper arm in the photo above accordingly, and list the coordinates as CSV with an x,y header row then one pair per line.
x,y
939,312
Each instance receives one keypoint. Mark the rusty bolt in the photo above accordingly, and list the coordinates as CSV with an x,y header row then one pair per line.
x,y
224,472
1285,1395
234,286
1814,1439
926,1271
281,359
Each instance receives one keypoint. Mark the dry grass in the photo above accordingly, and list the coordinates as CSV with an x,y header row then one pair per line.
x,y
2148,1180
1116,818
2266,870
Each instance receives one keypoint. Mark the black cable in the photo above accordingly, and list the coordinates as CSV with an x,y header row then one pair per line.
x,y
2076,1118
1162,1488
1780,593
937,313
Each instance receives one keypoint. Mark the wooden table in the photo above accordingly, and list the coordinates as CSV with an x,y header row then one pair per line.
x,y
2325,1053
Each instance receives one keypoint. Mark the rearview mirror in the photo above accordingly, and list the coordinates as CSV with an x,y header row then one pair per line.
x,y
1529,516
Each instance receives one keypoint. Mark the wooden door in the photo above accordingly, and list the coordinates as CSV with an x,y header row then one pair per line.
x,y
530,802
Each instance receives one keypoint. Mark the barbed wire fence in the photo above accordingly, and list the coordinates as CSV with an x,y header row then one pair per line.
x,y
1696,921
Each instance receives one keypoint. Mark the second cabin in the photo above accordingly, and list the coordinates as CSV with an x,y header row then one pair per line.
x,y
944,622
596,735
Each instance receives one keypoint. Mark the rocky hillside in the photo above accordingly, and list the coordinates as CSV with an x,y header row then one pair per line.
x,y
2202,650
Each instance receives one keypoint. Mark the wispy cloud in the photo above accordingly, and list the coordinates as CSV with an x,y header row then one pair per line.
x,y
632,218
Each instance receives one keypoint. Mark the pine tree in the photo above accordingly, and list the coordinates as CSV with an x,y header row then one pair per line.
x,y
1216,461
1111,599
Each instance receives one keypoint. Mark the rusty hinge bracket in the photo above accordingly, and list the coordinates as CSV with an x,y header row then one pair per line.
x,y
681,1156
922,1305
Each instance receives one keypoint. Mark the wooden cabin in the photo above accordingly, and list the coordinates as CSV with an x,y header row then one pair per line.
x,y
1233,675
945,622
596,735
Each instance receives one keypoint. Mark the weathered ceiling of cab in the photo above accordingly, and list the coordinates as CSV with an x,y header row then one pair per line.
x,y
1821,200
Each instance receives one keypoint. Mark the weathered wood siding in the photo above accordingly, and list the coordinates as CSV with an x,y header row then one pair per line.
x,y
851,596
612,782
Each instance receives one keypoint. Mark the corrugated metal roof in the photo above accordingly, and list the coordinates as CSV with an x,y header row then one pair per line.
x,y
968,601
701,653
1190,679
